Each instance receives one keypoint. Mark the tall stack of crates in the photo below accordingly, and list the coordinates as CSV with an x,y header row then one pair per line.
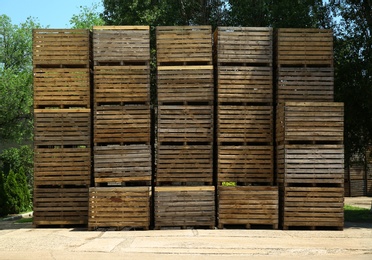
x,y
122,149
245,152
184,191
62,126
309,131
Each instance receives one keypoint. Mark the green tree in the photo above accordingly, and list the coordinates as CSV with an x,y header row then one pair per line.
x,y
87,18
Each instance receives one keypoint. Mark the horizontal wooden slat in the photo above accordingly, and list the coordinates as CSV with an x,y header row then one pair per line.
x,y
248,164
186,163
244,44
129,123
119,207
122,163
244,84
121,84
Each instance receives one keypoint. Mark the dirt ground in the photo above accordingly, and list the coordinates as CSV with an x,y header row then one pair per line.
x,y
22,241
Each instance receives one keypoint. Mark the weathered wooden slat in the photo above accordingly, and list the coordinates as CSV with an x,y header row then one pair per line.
x,y
245,123
60,206
246,163
184,206
119,207
312,207
184,163
116,124
310,164
248,205
122,163
116,44
62,127
244,84
178,44
304,47
185,123
305,84
61,47
310,121
185,83
121,84
244,45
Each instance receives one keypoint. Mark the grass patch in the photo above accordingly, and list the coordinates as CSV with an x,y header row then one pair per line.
x,y
25,220
356,214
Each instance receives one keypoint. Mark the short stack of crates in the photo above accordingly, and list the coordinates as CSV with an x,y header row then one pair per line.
x,y
184,191
122,150
309,131
62,139
245,152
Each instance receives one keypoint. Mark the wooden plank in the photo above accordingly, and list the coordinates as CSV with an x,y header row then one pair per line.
x,y
178,44
118,44
312,206
246,164
62,127
305,84
119,207
304,47
185,83
184,163
60,206
184,206
121,84
185,123
245,123
122,163
248,205
61,47
61,87
244,45
310,164
62,166
244,84
357,188
116,124
310,121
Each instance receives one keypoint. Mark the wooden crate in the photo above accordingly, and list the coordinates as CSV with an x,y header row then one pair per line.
x,y
121,44
184,163
62,166
179,44
62,127
357,188
53,47
248,205
244,45
305,84
310,121
245,123
122,124
310,164
122,163
113,84
300,46
185,206
185,123
246,164
61,87
312,207
60,206
120,207
244,84
185,83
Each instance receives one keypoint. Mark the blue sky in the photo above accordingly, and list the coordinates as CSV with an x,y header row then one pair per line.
x,y
56,14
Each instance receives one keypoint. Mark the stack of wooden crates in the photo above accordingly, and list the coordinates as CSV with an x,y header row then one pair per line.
x,y
309,131
122,151
62,146
245,152
184,192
